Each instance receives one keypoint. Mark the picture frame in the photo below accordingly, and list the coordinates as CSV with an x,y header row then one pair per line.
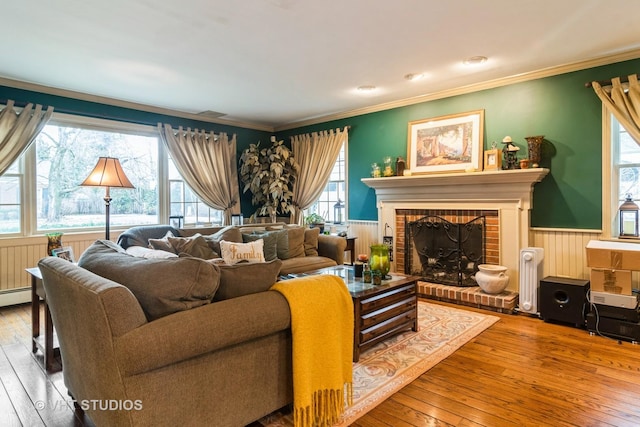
x,y
492,159
65,252
451,143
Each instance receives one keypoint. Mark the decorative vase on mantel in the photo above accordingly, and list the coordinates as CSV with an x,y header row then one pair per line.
x,y
535,147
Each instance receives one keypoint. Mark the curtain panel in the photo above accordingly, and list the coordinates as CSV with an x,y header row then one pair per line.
x,y
207,163
316,153
623,102
18,130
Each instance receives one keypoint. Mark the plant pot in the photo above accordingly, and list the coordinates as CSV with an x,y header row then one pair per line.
x,y
319,225
492,279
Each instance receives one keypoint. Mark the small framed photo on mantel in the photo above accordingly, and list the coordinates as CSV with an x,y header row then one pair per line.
x,y
492,160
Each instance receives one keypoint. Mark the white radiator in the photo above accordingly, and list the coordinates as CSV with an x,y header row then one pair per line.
x,y
530,275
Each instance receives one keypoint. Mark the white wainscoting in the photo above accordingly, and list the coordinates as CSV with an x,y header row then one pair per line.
x,y
18,254
366,233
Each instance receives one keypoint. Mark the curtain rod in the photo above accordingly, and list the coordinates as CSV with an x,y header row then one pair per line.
x,y
623,79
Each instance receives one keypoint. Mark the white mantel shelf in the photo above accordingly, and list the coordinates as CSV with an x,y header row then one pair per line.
x,y
510,192
473,184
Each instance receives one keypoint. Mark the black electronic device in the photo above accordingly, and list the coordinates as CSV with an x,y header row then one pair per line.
x,y
613,328
626,314
564,300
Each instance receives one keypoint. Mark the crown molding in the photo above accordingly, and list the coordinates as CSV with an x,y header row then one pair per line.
x,y
126,104
489,84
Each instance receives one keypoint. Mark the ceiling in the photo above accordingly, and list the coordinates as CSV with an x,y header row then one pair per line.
x,y
277,62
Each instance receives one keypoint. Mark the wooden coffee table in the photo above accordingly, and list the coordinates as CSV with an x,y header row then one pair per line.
x,y
379,311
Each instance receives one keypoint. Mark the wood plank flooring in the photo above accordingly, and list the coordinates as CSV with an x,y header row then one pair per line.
x,y
520,372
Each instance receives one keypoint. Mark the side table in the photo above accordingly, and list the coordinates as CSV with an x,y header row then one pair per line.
x,y
351,247
47,346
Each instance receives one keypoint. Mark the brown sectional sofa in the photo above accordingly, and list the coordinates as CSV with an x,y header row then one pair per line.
x,y
182,341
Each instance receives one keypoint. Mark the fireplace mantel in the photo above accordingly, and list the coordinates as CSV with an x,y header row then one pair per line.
x,y
509,192
477,186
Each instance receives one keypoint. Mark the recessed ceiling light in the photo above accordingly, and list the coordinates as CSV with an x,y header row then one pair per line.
x,y
475,60
413,77
366,88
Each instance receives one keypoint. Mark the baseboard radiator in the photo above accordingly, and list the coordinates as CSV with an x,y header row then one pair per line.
x,y
530,275
366,233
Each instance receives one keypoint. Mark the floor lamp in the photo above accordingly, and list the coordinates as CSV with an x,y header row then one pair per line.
x,y
107,173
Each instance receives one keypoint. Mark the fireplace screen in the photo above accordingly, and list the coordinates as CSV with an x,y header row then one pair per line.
x,y
444,252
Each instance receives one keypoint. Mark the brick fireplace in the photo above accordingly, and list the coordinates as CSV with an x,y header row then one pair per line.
x,y
506,194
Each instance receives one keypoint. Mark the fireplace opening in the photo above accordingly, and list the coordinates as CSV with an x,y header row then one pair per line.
x,y
445,252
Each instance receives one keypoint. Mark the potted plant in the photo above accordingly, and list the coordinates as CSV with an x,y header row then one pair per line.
x,y
315,220
269,174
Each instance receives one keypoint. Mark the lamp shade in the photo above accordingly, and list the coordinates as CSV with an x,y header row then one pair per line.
x,y
107,173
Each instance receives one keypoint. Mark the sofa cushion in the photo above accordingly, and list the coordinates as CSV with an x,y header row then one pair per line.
x,y
195,246
162,286
270,240
233,252
291,242
311,241
230,233
305,264
243,279
163,243
142,252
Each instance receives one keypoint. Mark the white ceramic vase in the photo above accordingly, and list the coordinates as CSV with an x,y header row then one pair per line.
x,y
492,279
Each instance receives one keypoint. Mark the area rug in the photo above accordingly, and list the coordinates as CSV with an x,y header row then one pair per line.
x,y
394,363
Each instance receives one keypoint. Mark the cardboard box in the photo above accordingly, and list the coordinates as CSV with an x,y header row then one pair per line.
x,y
613,255
611,281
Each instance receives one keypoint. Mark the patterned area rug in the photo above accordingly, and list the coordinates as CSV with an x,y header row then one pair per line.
x,y
394,363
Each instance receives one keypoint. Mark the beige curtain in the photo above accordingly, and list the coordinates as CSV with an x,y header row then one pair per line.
x,y
207,163
17,131
624,103
316,154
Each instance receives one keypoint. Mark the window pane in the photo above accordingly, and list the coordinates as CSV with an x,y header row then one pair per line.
x,y
64,158
334,190
9,204
629,183
629,149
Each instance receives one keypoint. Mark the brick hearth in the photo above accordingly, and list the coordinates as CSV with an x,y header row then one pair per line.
x,y
504,302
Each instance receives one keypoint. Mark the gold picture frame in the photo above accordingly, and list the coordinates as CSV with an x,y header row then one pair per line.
x,y
451,143
492,160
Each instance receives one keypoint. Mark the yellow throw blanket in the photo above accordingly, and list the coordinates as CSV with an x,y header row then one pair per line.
x,y
322,335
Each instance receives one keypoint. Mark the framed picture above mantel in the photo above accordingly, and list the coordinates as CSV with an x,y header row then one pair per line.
x,y
452,143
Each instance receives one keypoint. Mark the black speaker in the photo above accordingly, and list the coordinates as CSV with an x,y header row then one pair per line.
x,y
564,300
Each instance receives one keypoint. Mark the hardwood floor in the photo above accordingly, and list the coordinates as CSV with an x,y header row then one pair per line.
x,y
520,372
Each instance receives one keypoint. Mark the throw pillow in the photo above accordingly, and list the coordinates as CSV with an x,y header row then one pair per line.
x,y
291,242
142,252
244,279
162,286
311,241
230,233
270,243
195,246
233,253
162,244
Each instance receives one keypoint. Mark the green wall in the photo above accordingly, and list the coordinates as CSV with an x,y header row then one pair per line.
x,y
93,109
559,107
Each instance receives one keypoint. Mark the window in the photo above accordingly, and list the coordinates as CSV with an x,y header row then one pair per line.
x,y
65,155
625,171
41,191
334,192
185,203
10,200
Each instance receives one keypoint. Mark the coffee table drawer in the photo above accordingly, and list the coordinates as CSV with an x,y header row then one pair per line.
x,y
384,313
387,298
382,329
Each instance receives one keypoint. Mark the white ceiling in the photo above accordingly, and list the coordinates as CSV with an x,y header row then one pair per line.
x,y
276,62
